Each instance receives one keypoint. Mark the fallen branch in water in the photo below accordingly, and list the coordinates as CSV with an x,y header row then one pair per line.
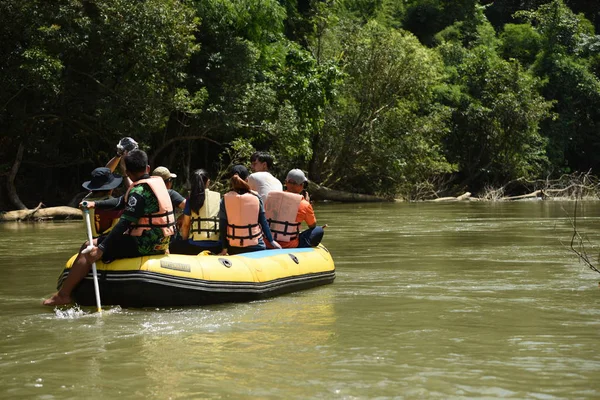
x,y
40,213
320,193
580,251
571,186
532,195
462,197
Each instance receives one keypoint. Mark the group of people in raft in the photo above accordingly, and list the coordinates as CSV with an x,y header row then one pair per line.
x,y
256,214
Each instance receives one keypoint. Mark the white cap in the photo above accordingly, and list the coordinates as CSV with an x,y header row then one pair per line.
x,y
296,176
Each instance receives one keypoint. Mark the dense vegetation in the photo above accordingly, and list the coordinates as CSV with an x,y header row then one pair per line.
x,y
411,98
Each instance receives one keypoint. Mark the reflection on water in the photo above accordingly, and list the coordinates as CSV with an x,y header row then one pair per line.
x,y
431,301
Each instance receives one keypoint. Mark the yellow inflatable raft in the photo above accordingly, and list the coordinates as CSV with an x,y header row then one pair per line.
x,y
181,280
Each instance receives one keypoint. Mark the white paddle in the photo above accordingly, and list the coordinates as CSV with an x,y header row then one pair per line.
x,y
88,225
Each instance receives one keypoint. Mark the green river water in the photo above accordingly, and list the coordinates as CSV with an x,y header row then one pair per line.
x,y
431,301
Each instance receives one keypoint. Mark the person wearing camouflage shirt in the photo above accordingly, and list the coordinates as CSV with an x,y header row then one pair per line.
x,y
140,202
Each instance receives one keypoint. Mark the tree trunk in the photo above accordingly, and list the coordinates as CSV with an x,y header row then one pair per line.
x,y
464,196
13,197
532,195
321,193
39,213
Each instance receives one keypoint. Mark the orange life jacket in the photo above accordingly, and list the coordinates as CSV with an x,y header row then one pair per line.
x,y
243,229
164,218
281,210
205,225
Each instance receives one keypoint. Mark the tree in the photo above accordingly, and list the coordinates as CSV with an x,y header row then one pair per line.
x,y
570,83
521,42
77,74
497,110
383,135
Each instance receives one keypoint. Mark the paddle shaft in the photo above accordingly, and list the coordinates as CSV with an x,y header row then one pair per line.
x,y
88,225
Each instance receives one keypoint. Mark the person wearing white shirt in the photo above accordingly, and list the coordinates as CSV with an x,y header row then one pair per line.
x,y
261,180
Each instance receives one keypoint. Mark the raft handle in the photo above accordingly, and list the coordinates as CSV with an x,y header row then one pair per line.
x,y
293,257
225,262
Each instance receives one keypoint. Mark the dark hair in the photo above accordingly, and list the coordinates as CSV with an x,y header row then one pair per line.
x,y
262,157
136,161
197,195
239,185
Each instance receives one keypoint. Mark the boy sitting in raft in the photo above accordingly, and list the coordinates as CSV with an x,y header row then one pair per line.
x,y
287,210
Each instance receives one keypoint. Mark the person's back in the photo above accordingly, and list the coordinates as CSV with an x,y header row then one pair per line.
x,y
282,212
242,219
204,224
287,210
261,180
156,221
200,220
147,222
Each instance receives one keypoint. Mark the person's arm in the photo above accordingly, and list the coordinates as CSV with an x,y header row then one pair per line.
x,y
262,220
124,146
116,203
112,203
114,163
309,214
184,229
177,200
186,221
252,182
118,161
223,226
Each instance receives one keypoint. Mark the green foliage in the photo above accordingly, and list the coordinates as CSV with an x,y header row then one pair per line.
x,y
559,27
574,141
474,31
242,42
425,18
305,89
497,113
521,42
383,128
343,88
566,40
97,70
260,86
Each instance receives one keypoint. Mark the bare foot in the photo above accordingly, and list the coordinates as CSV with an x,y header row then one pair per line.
x,y
57,300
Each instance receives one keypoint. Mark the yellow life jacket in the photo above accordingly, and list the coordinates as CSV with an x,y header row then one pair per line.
x,y
243,229
164,218
103,221
205,225
281,210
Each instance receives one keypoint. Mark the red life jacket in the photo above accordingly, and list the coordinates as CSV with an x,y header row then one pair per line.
x,y
281,209
243,229
102,220
164,218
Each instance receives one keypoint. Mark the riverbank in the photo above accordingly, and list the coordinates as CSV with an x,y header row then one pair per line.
x,y
576,186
